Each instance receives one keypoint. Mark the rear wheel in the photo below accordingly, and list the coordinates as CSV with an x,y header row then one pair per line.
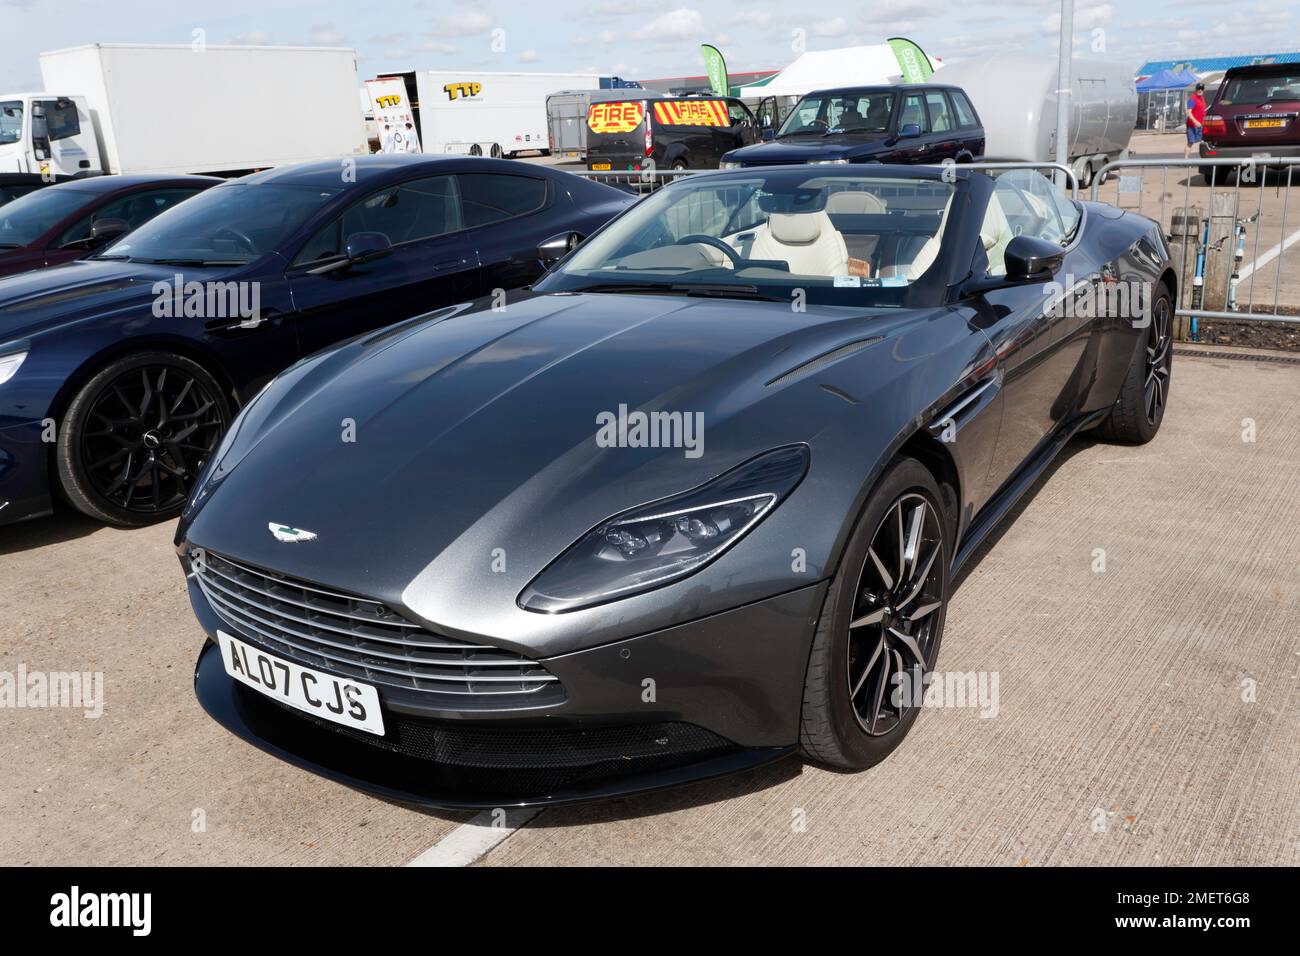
x,y
1137,413
880,626
476,150
496,150
136,436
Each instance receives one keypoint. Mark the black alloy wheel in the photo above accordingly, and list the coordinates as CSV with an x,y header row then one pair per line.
x,y
136,437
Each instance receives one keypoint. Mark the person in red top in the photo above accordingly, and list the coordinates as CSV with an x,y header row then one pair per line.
x,y
1195,120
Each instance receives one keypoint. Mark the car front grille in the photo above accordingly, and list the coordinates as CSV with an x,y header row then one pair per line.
x,y
360,638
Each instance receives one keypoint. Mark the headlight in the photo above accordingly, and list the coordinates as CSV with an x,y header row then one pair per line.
x,y
9,365
827,162
666,540
728,164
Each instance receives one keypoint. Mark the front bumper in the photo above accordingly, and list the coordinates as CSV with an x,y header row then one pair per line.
x,y
24,486
698,700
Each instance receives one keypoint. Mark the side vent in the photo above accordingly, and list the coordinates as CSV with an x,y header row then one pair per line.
x,y
821,361
967,406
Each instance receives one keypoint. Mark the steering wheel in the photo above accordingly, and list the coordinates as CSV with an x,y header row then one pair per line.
x,y
240,236
716,243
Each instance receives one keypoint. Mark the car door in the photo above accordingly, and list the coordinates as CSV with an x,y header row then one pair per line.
x,y
743,130
911,110
944,141
135,209
1037,328
507,215
433,262
970,132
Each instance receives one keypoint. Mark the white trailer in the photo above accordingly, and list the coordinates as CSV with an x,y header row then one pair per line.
x,y
1016,100
485,114
156,108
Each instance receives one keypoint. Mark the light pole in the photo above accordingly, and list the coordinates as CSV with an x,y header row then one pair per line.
x,y
1063,85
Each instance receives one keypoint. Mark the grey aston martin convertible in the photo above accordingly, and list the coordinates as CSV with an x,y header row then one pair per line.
x,y
691,503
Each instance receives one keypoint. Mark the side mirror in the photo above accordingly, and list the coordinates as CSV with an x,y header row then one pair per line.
x,y
1029,258
102,230
909,131
360,247
552,250
367,247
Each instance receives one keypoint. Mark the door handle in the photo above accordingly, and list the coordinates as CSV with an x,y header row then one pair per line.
x,y
238,324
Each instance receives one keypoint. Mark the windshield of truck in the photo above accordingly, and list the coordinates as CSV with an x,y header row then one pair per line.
x,y
229,224
1261,89
841,113
31,216
11,121
784,235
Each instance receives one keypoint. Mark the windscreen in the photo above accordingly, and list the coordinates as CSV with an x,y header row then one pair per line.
x,y
840,113
31,216
843,239
232,223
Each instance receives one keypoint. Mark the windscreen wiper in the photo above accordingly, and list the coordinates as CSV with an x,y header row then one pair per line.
x,y
720,290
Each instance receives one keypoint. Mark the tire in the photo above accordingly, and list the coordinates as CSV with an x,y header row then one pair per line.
x,y
833,731
679,164
1085,176
495,151
476,150
1221,175
1136,415
165,412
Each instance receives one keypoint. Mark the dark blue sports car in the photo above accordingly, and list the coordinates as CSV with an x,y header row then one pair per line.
x,y
119,373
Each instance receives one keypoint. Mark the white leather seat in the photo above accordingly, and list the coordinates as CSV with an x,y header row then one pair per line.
x,y
806,240
855,202
925,256
995,233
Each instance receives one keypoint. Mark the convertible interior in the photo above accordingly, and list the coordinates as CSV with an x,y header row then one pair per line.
x,y
856,233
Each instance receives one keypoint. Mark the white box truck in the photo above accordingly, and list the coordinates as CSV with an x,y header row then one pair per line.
x,y
156,108
484,114
1016,99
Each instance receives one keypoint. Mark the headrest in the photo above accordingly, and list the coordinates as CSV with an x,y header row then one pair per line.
x,y
795,229
855,201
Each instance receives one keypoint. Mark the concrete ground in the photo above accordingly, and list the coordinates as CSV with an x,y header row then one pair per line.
x,y
1141,614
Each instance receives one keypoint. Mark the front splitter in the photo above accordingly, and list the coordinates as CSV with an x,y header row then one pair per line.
x,y
408,780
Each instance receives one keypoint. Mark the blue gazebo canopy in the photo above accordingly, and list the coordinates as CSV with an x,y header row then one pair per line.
x,y
1168,80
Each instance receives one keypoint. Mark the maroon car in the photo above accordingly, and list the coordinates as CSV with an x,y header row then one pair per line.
x,y
1254,115
70,220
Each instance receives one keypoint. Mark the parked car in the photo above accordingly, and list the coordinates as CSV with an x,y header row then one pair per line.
x,y
140,353
688,132
911,123
1254,114
13,185
650,523
72,220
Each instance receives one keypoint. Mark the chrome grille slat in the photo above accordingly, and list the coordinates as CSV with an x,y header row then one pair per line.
x,y
285,616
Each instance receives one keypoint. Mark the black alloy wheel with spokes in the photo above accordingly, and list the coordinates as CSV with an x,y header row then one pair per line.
x,y
890,634
137,435
1144,395
1155,385
881,624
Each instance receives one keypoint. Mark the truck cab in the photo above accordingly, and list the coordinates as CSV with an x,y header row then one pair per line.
x,y
49,135
909,123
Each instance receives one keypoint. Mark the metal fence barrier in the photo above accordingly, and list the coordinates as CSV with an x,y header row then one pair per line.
x,y
1217,230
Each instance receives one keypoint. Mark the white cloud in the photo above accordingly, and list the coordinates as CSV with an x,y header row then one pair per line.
x,y
324,34
753,18
1085,18
528,56
679,24
834,27
467,23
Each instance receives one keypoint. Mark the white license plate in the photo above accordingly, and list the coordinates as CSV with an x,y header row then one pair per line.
x,y
338,699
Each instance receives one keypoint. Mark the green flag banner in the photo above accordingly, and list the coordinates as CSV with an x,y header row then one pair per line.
x,y
716,67
912,60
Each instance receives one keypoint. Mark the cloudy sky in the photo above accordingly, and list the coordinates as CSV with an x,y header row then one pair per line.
x,y
639,38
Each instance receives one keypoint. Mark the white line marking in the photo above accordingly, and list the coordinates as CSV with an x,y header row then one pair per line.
x,y
1267,257
471,841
